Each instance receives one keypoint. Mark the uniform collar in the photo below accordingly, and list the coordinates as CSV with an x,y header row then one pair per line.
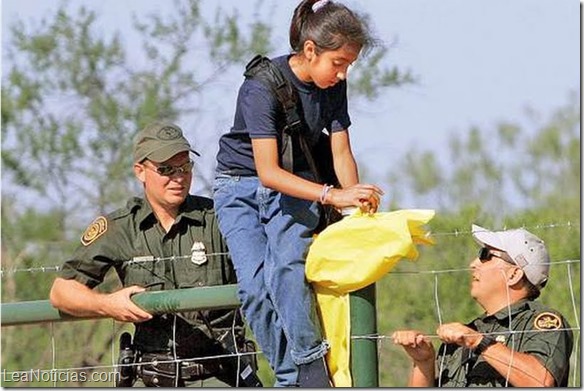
x,y
511,310
190,209
143,211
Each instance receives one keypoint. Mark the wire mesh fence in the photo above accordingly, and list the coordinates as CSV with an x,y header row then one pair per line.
x,y
420,295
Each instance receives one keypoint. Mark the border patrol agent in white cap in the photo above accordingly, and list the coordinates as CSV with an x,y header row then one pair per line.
x,y
525,249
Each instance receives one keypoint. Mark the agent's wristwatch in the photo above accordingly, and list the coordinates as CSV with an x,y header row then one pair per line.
x,y
485,342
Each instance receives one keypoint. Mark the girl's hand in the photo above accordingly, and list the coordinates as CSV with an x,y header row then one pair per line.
x,y
365,196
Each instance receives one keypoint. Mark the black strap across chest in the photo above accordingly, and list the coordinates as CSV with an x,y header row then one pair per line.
x,y
261,68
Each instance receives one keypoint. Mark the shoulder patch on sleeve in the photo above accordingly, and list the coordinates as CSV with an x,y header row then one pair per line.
x,y
94,231
547,321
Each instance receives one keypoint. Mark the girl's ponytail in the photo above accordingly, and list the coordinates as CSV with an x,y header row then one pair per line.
x,y
329,25
300,15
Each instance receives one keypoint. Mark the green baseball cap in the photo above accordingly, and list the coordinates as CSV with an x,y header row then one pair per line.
x,y
160,141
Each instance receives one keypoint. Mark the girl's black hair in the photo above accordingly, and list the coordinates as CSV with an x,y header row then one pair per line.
x,y
330,27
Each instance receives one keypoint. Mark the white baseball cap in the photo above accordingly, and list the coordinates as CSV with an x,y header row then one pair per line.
x,y
525,249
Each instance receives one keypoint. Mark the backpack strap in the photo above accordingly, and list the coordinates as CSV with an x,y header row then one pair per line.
x,y
262,69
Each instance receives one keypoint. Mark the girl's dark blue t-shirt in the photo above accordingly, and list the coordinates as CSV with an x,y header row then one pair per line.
x,y
258,114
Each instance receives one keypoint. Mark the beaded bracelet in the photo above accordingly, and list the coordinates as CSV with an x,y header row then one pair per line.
x,y
325,189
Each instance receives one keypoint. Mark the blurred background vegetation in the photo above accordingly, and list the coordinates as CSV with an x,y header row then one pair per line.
x,y
73,99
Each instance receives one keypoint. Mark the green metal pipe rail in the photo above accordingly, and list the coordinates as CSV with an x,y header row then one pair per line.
x,y
364,366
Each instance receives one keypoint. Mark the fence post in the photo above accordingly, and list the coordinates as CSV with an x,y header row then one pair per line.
x,y
364,362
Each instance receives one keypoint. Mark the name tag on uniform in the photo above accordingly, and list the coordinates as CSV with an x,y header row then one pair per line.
x,y
198,253
144,258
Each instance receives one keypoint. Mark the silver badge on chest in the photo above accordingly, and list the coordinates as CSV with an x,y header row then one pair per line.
x,y
198,253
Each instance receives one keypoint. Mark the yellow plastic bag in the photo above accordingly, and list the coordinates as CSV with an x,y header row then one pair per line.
x,y
351,255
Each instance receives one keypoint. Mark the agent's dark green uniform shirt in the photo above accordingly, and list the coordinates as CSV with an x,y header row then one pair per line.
x,y
191,254
535,326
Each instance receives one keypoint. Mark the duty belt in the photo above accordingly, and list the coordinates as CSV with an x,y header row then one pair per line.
x,y
165,365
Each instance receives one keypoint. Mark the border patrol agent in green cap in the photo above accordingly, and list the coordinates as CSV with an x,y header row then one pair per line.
x,y
518,341
167,350
159,142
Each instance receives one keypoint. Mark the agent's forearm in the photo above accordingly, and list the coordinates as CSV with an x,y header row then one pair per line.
x,y
76,299
522,370
422,375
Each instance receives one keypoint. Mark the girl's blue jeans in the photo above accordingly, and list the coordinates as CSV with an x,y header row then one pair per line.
x,y
268,235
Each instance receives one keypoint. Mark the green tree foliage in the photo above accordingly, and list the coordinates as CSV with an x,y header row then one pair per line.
x,y
515,166
371,77
73,97
516,176
72,100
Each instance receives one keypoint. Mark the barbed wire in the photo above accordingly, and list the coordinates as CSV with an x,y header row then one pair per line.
x,y
137,260
56,268
466,269
34,269
47,269
567,224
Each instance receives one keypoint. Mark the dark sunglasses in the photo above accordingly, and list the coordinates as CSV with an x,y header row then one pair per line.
x,y
486,254
167,170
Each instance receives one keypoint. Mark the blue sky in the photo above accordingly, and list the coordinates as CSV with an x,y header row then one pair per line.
x,y
479,62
